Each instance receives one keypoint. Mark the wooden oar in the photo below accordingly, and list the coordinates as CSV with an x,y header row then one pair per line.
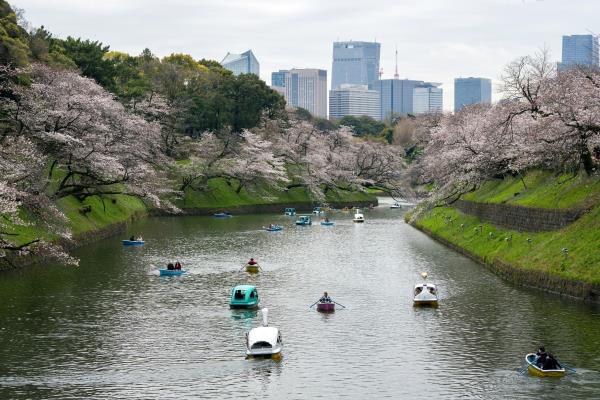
x,y
338,303
311,306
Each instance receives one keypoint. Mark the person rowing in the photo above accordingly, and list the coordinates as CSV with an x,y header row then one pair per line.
x,y
252,262
540,357
177,265
325,298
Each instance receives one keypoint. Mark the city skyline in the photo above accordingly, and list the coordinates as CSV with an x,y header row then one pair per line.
x,y
436,40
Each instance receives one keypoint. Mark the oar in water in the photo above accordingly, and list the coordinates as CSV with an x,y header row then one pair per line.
x,y
565,366
523,369
338,303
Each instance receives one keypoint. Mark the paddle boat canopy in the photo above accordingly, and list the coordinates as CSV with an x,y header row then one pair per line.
x,y
290,211
534,370
133,242
425,294
274,228
171,272
264,341
222,215
244,296
304,220
358,216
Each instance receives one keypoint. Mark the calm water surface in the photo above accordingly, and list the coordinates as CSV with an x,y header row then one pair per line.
x,y
113,329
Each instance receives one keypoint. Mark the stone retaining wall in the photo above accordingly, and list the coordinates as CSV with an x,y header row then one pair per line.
x,y
518,217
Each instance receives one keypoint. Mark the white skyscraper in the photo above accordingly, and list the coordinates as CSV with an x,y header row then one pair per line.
x,y
305,88
428,99
356,100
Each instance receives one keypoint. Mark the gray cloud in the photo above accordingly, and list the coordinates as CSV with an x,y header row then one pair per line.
x,y
437,40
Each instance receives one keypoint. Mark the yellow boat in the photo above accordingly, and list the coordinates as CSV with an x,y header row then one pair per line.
x,y
253,269
534,370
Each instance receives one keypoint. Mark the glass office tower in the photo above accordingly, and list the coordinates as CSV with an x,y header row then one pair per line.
x,y
355,63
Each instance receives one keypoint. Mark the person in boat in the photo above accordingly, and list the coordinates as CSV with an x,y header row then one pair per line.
x,y
170,266
325,298
541,356
550,362
139,239
252,262
132,238
326,219
270,226
178,265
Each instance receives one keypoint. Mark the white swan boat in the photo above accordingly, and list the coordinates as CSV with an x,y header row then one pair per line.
x,y
358,216
425,294
264,341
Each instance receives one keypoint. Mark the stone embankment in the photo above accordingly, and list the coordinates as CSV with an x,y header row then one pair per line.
x,y
519,218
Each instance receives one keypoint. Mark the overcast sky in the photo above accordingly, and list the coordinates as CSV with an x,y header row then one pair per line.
x,y
437,40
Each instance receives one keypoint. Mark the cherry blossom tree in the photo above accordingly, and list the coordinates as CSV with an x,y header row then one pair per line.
x,y
91,141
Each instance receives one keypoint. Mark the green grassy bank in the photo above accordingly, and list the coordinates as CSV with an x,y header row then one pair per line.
x,y
220,194
97,217
538,254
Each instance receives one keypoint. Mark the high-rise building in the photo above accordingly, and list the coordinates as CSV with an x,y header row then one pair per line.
x,y
355,63
245,63
579,50
471,91
278,78
305,88
395,96
428,98
356,100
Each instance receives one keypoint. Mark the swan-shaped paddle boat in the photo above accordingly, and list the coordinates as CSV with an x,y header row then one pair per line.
x,y
264,341
358,216
304,220
425,294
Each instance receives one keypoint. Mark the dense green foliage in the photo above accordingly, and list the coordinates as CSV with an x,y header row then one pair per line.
x,y
206,96
14,49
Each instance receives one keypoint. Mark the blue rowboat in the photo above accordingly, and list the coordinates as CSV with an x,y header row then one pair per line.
x,y
274,228
132,242
327,223
171,272
244,296
222,215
